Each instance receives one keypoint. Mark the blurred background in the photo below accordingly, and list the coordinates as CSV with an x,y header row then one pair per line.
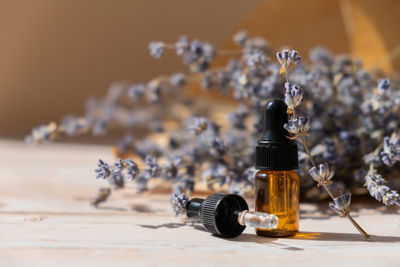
x,y
55,54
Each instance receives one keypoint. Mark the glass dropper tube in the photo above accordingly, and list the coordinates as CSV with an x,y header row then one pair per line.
x,y
260,220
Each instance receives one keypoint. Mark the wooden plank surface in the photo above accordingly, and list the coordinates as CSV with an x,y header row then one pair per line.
x,y
46,220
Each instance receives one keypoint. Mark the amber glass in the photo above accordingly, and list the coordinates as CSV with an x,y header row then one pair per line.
x,y
277,192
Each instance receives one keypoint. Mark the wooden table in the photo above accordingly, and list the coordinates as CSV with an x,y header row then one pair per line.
x,y
46,220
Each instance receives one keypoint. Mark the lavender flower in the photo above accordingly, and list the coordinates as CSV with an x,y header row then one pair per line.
x,y
256,58
103,170
171,169
341,204
152,167
298,126
42,134
72,126
238,117
156,49
391,150
383,85
118,166
250,174
377,189
196,54
322,175
182,45
293,96
218,146
202,50
132,169
179,203
136,92
178,79
240,38
321,56
288,59
198,125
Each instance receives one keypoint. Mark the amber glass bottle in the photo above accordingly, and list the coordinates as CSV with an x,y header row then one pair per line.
x,y
276,183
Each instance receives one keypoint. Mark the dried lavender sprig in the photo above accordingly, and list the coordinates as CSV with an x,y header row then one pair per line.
x,y
338,205
103,170
198,125
116,177
377,189
375,182
179,203
288,60
293,96
299,127
42,134
391,150
326,74
322,175
103,114
198,55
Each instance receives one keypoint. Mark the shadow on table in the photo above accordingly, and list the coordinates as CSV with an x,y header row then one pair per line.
x,y
324,236
191,223
321,236
111,208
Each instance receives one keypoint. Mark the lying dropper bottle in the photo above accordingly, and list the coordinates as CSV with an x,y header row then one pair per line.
x,y
227,215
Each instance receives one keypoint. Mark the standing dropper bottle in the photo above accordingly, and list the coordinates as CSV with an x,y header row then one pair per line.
x,y
276,182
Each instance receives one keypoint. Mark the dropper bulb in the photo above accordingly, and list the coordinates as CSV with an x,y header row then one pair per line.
x,y
275,116
275,151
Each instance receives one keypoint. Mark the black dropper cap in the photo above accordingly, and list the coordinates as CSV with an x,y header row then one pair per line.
x,y
275,151
219,213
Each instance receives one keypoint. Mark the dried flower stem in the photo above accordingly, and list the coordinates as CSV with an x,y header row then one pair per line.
x,y
303,141
286,75
359,228
356,225
222,52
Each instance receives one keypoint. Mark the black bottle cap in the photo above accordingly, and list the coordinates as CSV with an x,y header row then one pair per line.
x,y
219,213
275,151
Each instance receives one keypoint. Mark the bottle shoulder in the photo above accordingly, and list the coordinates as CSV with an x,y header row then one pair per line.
x,y
292,174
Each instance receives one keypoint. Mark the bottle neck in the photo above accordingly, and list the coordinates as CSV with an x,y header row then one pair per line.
x,y
193,208
264,172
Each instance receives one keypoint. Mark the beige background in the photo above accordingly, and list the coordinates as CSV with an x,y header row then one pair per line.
x,y
54,54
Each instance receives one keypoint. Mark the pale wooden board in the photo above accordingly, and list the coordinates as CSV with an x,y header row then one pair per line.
x,y
46,220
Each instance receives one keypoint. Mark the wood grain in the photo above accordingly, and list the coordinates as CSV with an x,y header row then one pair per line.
x,y
46,220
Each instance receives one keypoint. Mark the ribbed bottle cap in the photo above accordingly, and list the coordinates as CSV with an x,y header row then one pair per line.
x,y
219,214
275,151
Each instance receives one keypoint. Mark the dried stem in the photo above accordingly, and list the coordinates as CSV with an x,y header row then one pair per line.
x,y
359,228
303,141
